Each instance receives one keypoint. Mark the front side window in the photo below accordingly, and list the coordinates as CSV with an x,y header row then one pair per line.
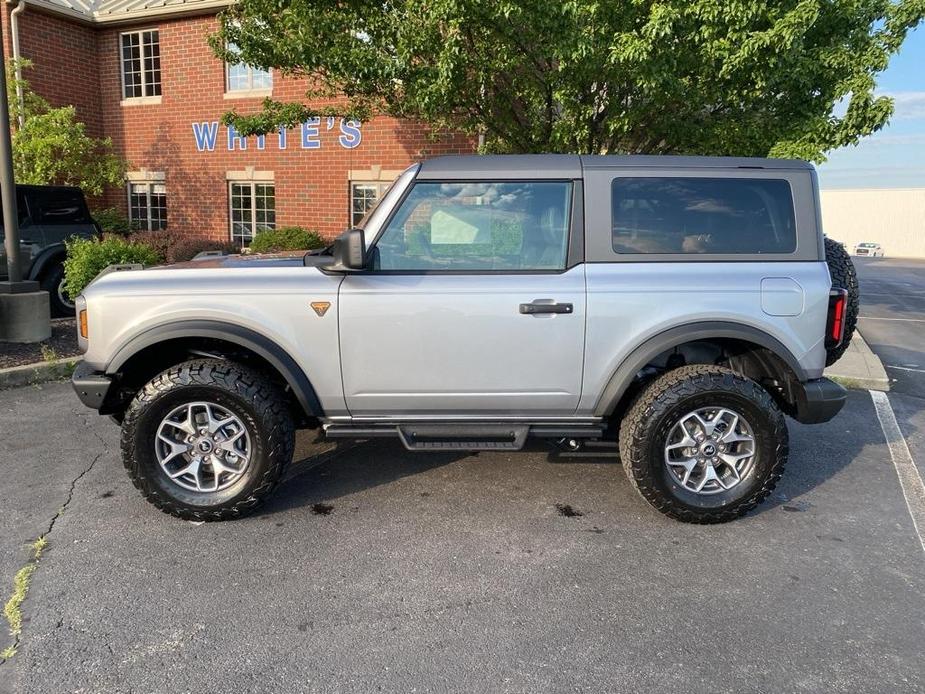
x,y
503,226
253,208
702,215
141,64
241,78
147,206
363,198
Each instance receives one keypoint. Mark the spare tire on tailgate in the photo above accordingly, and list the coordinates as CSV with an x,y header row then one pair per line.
x,y
843,277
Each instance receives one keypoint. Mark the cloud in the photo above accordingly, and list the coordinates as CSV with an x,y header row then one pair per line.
x,y
891,140
907,105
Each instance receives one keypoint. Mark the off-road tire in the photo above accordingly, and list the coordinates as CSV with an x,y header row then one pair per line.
x,y
51,282
843,277
645,427
250,396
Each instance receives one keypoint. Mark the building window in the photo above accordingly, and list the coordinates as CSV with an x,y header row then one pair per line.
x,y
363,198
147,205
246,78
141,64
253,208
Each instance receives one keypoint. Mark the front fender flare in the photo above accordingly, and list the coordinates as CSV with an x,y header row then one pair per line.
x,y
229,332
47,257
623,377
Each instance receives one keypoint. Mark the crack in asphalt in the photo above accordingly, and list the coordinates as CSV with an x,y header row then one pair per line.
x,y
17,638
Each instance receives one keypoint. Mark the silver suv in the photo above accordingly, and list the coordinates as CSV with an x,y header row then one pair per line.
x,y
681,306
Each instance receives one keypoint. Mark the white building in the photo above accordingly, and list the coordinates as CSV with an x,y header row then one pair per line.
x,y
894,218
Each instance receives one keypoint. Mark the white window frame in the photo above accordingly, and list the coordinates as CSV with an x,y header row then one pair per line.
x,y
250,89
149,185
252,184
144,98
381,188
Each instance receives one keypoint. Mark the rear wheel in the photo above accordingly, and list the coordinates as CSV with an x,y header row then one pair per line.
x,y
844,277
704,445
207,440
53,283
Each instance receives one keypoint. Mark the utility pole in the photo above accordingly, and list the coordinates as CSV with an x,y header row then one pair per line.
x,y
24,309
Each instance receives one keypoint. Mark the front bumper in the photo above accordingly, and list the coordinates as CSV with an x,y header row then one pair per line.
x,y
818,401
92,387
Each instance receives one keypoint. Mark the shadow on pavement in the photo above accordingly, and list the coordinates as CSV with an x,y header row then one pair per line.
x,y
347,468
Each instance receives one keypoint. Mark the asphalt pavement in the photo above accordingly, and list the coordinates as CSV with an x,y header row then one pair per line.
x,y
374,569
893,318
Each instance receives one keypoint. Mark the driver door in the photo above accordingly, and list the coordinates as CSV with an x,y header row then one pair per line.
x,y
473,305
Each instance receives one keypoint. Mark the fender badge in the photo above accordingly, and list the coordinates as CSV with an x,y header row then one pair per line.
x,y
321,307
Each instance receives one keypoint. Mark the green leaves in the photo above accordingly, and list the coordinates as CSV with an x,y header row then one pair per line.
x,y
87,258
742,77
52,146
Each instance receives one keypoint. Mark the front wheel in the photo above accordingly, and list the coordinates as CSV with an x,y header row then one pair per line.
x,y
207,440
704,445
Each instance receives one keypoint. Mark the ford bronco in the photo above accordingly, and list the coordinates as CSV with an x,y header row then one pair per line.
x,y
49,215
681,306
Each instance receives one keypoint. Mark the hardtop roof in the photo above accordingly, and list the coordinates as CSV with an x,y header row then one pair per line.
x,y
561,166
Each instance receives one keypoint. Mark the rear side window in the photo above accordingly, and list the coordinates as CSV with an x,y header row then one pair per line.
x,y
58,207
479,226
702,215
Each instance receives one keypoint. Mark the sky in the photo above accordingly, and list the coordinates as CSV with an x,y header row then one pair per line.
x,y
894,157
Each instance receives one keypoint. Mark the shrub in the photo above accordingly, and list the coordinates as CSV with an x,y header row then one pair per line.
x,y
287,239
87,258
186,249
112,221
161,240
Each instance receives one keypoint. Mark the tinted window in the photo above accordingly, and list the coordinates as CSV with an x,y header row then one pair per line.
x,y
479,226
22,210
53,206
702,215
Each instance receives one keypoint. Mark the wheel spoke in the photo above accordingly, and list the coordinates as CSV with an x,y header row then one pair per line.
x,y
689,465
709,475
686,442
192,469
228,444
176,448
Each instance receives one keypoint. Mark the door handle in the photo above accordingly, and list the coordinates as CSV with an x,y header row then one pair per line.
x,y
535,307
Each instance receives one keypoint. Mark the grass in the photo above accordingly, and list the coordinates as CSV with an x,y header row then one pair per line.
x,y
13,608
49,353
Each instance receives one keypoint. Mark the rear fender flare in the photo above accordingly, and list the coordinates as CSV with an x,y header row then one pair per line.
x,y
623,377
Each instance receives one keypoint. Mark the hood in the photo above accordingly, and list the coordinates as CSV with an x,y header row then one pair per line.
x,y
260,260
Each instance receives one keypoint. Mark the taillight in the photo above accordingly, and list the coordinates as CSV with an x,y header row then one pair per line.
x,y
835,325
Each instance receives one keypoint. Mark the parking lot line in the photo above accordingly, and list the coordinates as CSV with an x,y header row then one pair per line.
x,y
905,368
907,320
909,478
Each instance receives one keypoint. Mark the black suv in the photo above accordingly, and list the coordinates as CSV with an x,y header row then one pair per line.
x,y
47,216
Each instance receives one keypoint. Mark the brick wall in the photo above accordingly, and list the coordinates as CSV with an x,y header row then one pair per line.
x,y
64,55
80,64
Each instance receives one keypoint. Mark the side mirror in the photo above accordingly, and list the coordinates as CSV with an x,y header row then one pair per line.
x,y
348,251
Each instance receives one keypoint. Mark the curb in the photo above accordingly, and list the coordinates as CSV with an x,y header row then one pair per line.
x,y
859,367
38,372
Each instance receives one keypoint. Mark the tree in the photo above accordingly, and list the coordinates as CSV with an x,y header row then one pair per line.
x,y
736,77
52,147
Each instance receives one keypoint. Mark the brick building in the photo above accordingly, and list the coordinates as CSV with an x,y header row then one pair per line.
x,y
141,72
